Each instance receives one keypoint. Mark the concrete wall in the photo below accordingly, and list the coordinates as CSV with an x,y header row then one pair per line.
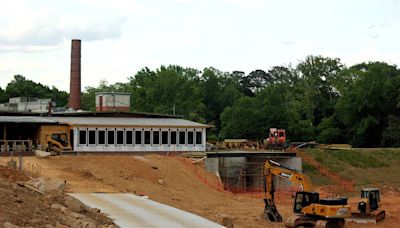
x,y
122,144
229,169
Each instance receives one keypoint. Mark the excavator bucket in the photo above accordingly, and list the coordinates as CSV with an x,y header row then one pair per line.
x,y
270,212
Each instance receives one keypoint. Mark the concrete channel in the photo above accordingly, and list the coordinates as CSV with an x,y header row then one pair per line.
x,y
128,210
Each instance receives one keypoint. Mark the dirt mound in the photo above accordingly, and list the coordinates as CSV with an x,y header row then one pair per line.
x,y
11,174
21,206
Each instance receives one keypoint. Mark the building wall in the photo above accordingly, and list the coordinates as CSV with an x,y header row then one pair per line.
x,y
118,139
111,102
21,104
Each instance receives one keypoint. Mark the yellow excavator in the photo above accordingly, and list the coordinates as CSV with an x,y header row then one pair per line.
x,y
309,209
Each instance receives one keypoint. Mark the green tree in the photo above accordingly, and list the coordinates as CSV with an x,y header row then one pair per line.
x,y
240,121
219,91
319,95
22,87
167,90
365,106
3,96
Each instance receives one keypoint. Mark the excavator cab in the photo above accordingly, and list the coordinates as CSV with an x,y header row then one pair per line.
x,y
304,199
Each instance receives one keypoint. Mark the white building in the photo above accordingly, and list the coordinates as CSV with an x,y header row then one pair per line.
x,y
113,101
136,134
26,104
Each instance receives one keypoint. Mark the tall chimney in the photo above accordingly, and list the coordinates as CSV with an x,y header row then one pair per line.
x,y
75,83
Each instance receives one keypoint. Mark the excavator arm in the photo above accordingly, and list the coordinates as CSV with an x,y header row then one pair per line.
x,y
272,169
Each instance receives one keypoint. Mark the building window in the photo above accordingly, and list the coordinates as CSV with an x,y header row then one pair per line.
x,y
173,137
101,137
182,139
129,135
190,137
92,137
147,137
164,137
82,137
110,137
120,137
198,138
156,137
138,137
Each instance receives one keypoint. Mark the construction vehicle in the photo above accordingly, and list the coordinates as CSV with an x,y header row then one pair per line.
x,y
58,143
368,207
276,138
311,211
55,138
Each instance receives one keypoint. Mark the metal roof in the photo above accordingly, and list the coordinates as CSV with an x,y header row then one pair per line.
x,y
114,114
127,121
113,93
26,120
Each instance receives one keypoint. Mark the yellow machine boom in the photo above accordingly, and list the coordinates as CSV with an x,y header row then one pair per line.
x,y
310,209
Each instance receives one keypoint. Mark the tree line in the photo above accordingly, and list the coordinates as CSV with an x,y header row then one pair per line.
x,y
318,99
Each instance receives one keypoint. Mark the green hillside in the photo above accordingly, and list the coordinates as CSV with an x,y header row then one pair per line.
x,y
365,167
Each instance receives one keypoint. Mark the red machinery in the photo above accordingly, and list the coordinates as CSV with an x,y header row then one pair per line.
x,y
276,138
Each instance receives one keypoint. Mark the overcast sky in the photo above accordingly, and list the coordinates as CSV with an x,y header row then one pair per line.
x,y
120,37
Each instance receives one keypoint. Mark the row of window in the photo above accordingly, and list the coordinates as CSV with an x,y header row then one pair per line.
x,y
138,137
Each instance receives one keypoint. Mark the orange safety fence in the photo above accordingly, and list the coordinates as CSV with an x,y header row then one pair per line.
x,y
282,195
341,181
202,174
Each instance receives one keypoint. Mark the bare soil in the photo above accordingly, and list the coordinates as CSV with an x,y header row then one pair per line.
x,y
177,182
20,206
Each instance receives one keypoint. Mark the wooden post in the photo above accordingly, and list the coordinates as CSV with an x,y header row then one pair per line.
x,y
5,137
20,162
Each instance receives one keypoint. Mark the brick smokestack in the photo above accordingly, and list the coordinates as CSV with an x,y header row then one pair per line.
x,y
75,83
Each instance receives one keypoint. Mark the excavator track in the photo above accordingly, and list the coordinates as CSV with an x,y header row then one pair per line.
x,y
305,221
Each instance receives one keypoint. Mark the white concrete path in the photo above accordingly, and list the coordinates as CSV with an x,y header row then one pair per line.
x,y
131,211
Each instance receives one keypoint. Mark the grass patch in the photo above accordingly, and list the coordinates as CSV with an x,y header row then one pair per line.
x,y
309,168
358,158
316,177
364,166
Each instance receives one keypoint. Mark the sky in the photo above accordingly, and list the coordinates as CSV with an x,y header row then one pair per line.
x,y
121,37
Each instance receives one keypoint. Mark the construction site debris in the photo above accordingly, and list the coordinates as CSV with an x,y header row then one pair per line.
x,y
30,187
45,185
